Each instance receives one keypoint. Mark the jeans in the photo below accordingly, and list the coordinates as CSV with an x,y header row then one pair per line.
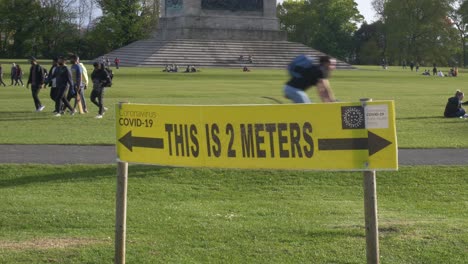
x,y
298,96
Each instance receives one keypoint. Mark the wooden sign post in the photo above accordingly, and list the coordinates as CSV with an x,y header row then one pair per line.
x,y
121,212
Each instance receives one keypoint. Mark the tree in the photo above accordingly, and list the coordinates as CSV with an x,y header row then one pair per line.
x,y
417,30
369,44
327,25
128,21
58,33
459,18
46,30
19,30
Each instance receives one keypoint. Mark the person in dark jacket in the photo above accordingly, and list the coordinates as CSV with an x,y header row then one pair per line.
x,y
13,73
19,76
454,106
53,81
64,82
100,79
36,80
305,77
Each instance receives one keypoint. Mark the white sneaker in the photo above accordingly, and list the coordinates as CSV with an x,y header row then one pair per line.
x,y
57,114
41,108
98,116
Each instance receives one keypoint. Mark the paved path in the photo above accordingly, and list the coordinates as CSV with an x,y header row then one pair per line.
x,y
72,154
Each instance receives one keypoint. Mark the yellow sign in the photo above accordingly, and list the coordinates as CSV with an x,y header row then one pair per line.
x,y
334,136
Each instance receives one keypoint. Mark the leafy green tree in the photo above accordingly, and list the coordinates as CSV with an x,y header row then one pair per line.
x,y
327,25
417,30
19,29
369,44
126,21
46,30
459,18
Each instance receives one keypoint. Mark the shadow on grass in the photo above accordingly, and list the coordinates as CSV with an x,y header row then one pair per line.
x,y
81,174
21,116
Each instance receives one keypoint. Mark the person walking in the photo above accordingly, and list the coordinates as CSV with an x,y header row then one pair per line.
x,y
117,63
85,83
64,82
36,80
77,74
306,73
19,75
1,76
100,79
13,73
52,81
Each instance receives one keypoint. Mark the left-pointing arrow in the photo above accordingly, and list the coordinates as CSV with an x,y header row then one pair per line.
x,y
130,141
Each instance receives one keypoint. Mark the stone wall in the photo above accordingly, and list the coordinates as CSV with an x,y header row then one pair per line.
x,y
187,19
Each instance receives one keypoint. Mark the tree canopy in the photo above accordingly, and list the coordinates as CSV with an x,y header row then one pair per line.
x,y
53,27
327,25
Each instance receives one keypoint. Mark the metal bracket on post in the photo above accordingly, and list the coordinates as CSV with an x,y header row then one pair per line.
x,y
370,211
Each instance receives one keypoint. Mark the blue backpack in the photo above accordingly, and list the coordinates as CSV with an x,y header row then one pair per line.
x,y
299,65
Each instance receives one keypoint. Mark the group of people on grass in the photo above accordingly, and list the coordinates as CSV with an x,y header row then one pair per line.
x,y
106,61
16,74
68,83
175,68
453,72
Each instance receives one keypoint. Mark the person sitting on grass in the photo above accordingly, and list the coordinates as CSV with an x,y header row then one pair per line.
x,y
454,106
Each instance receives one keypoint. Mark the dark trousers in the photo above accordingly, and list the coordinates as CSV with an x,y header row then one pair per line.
x,y
1,81
97,97
460,112
60,100
53,93
19,80
35,95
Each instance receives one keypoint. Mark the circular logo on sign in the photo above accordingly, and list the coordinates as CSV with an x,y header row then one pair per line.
x,y
353,117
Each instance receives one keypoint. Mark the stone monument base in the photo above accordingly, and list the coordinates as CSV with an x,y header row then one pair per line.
x,y
219,28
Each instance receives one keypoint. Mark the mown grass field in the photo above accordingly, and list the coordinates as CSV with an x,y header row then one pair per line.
x,y
420,102
66,215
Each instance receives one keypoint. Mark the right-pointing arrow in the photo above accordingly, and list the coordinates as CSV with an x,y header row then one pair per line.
x,y
130,141
373,143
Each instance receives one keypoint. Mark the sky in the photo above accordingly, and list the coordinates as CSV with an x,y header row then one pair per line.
x,y
364,7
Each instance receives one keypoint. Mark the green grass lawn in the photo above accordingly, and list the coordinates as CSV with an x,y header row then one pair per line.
x,y
419,100
66,215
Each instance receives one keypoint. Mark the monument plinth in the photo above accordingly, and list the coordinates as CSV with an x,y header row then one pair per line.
x,y
219,19
216,33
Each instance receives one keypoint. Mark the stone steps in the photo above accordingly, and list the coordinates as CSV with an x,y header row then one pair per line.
x,y
212,53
